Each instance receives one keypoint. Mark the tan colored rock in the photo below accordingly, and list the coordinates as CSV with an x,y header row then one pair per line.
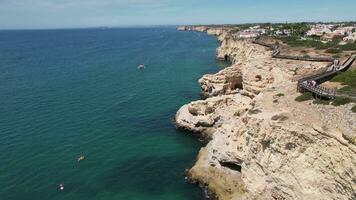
x,y
268,146
215,31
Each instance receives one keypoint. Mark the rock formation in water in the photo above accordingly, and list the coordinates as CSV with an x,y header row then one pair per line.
x,y
261,143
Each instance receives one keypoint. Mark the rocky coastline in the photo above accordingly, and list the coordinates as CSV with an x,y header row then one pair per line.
x,y
260,142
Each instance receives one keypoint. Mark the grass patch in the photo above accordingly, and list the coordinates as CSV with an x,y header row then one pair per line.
x,y
295,41
346,78
336,56
322,102
333,50
341,101
279,95
353,109
348,47
314,42
346,89
304,97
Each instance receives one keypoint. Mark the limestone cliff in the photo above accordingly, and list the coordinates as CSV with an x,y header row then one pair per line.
x,y
262,144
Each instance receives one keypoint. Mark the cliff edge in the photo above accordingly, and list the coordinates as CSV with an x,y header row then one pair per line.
x,y
261,143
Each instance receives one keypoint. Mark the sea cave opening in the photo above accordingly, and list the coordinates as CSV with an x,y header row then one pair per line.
x,y
231,165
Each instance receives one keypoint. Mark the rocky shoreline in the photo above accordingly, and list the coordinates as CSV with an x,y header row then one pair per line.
x,y
261,143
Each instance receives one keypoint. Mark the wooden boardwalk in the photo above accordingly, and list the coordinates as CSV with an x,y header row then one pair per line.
x,y
276,53
312,83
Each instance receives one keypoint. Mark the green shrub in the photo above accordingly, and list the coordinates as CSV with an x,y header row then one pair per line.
x,y
322,102
314,42
341,101
346,78
333,50
346,89
348,47
337,56
304,97
279,95
353,109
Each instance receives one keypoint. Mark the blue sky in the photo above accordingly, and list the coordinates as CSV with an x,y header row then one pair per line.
x,y
28,14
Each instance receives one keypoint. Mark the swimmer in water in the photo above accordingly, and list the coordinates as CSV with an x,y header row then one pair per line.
x,y
61,186
81,158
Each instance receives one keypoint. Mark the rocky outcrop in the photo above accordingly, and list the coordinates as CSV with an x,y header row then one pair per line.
x,y
193,28
261,143
228,81
215,31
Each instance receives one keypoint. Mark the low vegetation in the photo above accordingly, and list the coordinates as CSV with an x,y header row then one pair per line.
x,y
279,95
336,56
339,101
295,28
330,46
304,97
348,47
346,78
296,41
353,109
346,90
322,102
333,50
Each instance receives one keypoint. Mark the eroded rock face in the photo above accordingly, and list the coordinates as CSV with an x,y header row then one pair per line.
x,y
227,81
268,146
215,31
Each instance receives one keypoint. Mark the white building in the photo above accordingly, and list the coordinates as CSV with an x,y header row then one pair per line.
x,y
252,32
318,31
350,38
248,34
283,32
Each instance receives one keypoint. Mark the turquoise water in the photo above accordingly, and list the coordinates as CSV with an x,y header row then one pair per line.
x,y
70,92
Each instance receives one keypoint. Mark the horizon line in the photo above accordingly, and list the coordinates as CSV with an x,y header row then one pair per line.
x,y
168,25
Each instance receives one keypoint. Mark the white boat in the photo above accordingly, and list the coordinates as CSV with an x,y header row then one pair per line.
x,y
142,66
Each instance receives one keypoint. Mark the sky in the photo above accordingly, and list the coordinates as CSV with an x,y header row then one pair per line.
x,y
33,14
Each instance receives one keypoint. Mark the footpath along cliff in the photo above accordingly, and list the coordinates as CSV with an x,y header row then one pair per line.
x,y
260,142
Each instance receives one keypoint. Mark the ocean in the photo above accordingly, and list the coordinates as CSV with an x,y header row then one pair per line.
x,y
72,92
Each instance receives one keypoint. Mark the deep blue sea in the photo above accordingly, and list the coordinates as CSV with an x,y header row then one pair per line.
x,y
66,93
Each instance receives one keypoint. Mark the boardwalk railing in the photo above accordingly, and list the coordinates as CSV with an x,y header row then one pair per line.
x,y
310,83
318,90
271,46
305,58
277,54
